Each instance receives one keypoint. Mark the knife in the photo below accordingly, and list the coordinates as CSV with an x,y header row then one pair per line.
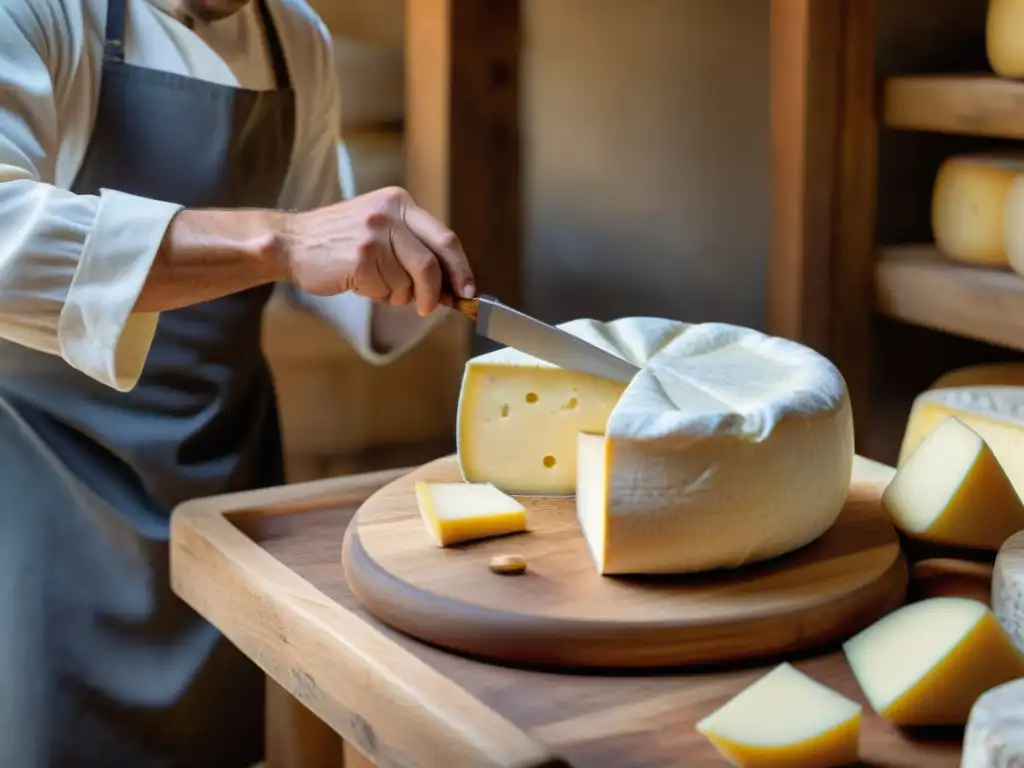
x,y
508,326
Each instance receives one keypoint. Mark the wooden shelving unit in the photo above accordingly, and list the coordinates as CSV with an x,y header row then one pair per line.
x,y
843,89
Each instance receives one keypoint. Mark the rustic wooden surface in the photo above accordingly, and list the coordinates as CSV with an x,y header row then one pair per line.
x,y
563,613
265,567
971,105
917,284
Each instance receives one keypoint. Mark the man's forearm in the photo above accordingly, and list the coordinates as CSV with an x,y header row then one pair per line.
x,y
207,254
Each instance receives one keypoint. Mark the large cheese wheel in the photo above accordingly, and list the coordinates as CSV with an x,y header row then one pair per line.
x,y
995,730
969,201
984,375
728,447
1015,225
1008,588
1004,42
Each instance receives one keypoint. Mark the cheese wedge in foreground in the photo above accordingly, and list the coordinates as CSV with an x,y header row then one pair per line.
x,y
785,719
995,730
928,662
728,447
969,206
1003,42
985,375
995,413
460,512
951,490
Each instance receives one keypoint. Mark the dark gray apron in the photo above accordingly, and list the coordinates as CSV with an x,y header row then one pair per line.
x,y
100,665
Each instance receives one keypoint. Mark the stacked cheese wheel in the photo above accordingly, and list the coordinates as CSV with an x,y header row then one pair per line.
x,y
728,447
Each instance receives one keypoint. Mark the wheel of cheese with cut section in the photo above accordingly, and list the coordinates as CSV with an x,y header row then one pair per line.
x,y
728,447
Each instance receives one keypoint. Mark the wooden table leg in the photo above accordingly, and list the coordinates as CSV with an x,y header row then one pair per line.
x,y
296,738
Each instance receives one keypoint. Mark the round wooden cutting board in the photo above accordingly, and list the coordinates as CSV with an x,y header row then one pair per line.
x,y
562,613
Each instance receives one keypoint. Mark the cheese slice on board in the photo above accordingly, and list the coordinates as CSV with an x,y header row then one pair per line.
x,y
459,512
995,413
728,447
1008,588
785,719
995,730
969,201
1003,41
928,662
985,375
951,490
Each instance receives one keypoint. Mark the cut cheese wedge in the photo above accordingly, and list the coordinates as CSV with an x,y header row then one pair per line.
x,y
995,413
928,662
951,490
728,447
460,512
1003,42
995,730
1008,588
785,719
986,375
969,200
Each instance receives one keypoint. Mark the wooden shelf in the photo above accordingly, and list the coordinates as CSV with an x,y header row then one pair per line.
x,y
916,284
975,105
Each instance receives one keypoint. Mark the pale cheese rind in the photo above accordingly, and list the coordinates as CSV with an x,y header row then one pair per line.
x,y
1003,42
785,718
728,447
1008,588
984,375
459,512
928,662
952,491
995,729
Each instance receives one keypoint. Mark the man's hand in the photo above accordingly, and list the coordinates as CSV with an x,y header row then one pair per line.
x,y
380,245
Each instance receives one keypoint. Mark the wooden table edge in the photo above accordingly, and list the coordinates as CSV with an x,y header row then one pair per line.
x,y
440,717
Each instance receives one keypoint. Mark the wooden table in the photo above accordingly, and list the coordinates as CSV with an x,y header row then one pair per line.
x,y
265,567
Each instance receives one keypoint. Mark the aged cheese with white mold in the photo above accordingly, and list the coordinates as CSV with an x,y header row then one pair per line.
x,y
983,375
728,447
995,413
785,718
458,512
928,662
952,491
995,730
1008,588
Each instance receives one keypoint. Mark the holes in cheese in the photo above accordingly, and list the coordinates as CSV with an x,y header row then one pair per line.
x,y
928,662
995,730
951,490
785,719
1003,42
459,512
969,201
728,447
995,413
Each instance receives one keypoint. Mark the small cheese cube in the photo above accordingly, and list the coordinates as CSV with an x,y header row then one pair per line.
x,y
951,490
785,719
928,662
459,512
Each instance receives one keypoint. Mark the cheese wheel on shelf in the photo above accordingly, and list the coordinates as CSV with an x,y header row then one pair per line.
x,y
995,730
984,375
728,447
1015,225
785,718
1004,43
995,413
928,662
1008,588
460,512
951,490
969,201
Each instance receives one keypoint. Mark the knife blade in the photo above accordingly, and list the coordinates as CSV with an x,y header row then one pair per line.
x,y
515,329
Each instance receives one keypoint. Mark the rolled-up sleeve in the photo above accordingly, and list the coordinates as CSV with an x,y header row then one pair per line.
x,y
71,266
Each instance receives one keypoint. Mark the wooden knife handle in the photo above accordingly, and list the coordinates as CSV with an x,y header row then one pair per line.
x,y
468,307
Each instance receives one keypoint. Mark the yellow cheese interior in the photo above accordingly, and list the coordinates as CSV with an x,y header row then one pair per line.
x,y
459,512
927,663
786,719
518,425
951,490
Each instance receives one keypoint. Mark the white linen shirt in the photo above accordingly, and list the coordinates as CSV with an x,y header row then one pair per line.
x,y
72,266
